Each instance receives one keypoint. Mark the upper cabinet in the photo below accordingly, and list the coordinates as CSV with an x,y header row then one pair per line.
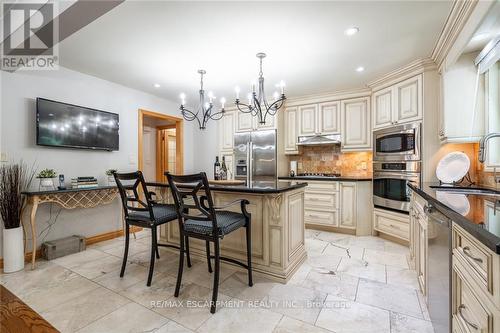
x,y
226,131
329,118
291,130
400,103
308,119
246,122
320,119
463,96
355,124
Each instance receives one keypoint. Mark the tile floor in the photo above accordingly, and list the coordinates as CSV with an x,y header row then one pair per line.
x,y
370,289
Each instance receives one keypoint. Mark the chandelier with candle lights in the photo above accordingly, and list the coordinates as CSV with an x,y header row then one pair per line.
x,y
205,110
258,105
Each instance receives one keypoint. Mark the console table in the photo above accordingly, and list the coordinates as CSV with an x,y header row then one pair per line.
x,y
68,199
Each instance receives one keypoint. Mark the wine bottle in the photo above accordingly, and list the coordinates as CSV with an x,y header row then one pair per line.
x,y
223,172
216,168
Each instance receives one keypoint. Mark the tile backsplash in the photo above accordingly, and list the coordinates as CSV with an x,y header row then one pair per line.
x,y
329,159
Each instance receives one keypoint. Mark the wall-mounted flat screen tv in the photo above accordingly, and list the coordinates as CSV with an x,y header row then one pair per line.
x,y
66,125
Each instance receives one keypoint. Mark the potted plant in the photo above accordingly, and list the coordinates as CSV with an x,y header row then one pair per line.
x,y
14,179
111,177
46,177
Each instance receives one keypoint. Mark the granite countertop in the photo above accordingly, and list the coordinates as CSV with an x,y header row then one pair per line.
x,y
335,179
277,187
467,210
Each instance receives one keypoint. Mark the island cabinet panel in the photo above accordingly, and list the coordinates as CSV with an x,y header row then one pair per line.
x,y
295,223
277,232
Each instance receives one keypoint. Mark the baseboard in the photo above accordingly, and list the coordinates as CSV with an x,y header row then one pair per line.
x,y
88,241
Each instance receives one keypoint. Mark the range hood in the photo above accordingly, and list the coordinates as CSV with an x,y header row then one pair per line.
x,y
319,140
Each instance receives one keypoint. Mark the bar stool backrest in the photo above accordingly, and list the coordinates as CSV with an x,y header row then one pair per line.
x,y
130,185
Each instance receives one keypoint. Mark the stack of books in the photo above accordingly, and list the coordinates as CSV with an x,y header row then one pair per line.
x,y
83,182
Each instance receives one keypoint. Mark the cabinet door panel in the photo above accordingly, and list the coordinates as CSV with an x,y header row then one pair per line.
x,y
308,119
382,108
408,96
329,118
227,131
356,131
291,130
244,122
348,205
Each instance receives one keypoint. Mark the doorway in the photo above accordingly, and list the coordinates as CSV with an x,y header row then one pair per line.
x,y
160,145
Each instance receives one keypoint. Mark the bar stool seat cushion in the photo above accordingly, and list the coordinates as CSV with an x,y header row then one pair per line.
x,y
226,223
162,213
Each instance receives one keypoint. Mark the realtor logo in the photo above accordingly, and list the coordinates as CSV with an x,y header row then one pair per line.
x,y
29,36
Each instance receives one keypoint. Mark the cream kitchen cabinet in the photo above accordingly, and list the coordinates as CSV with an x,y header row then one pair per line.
x,y
246,122
356,124
226,131
308,119
397,104
291,130
391,223
348,205
320,119
419,240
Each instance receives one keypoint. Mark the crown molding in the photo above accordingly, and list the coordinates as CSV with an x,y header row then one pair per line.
x,y
413,68
328,97
459,14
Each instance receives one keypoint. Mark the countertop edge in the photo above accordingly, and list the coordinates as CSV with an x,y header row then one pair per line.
x,y
488,239
328,179
239,189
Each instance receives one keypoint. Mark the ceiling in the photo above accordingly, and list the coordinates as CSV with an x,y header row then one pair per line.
x,y
140,43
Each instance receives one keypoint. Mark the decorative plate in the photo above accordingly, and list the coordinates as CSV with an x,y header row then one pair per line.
x,y
453,167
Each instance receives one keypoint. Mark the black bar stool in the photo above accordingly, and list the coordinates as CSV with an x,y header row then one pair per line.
x,y
207,222
146,214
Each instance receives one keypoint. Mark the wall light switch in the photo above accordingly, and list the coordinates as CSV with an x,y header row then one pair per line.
x,y
3,157
363,165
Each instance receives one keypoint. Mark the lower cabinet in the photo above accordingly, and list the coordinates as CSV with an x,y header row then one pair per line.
x,y
418,237
391,223
348,216
339,206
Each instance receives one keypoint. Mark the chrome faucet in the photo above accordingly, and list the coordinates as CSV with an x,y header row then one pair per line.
x,y
482,145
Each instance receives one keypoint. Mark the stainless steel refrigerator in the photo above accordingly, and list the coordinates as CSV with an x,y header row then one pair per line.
x,y
255,156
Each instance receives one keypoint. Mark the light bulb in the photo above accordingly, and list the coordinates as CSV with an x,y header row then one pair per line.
x,y
276,95
222,102
282,85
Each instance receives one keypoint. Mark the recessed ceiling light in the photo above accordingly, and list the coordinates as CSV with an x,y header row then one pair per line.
x,y
351,31
156,85
360,69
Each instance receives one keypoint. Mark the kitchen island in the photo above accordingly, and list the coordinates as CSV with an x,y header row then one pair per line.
x,y
277,211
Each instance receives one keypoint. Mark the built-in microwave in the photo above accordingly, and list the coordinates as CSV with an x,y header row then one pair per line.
x,y
398,143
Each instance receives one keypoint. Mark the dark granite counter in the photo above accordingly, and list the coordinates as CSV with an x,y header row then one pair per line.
x,y
277,187
477,214
334,179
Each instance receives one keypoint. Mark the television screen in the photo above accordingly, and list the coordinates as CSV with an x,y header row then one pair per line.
x,y
65,125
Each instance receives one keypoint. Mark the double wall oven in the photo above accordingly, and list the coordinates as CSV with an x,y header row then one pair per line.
x,y
396,162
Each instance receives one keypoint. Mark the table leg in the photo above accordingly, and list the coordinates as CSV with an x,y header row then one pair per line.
x,y
33,231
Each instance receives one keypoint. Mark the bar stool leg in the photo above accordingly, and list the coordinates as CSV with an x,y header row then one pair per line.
x,y
207,245
187,252
181,266
125,254
249,253
154,247
216,276
157,251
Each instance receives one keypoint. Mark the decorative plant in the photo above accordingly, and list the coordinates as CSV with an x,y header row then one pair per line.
x,y
14,179
110,172
47,173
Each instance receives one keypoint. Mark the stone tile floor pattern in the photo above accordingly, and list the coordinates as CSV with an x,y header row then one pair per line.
x,y
368,289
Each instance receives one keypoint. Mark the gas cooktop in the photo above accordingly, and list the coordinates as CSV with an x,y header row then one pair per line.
x,y
314,174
